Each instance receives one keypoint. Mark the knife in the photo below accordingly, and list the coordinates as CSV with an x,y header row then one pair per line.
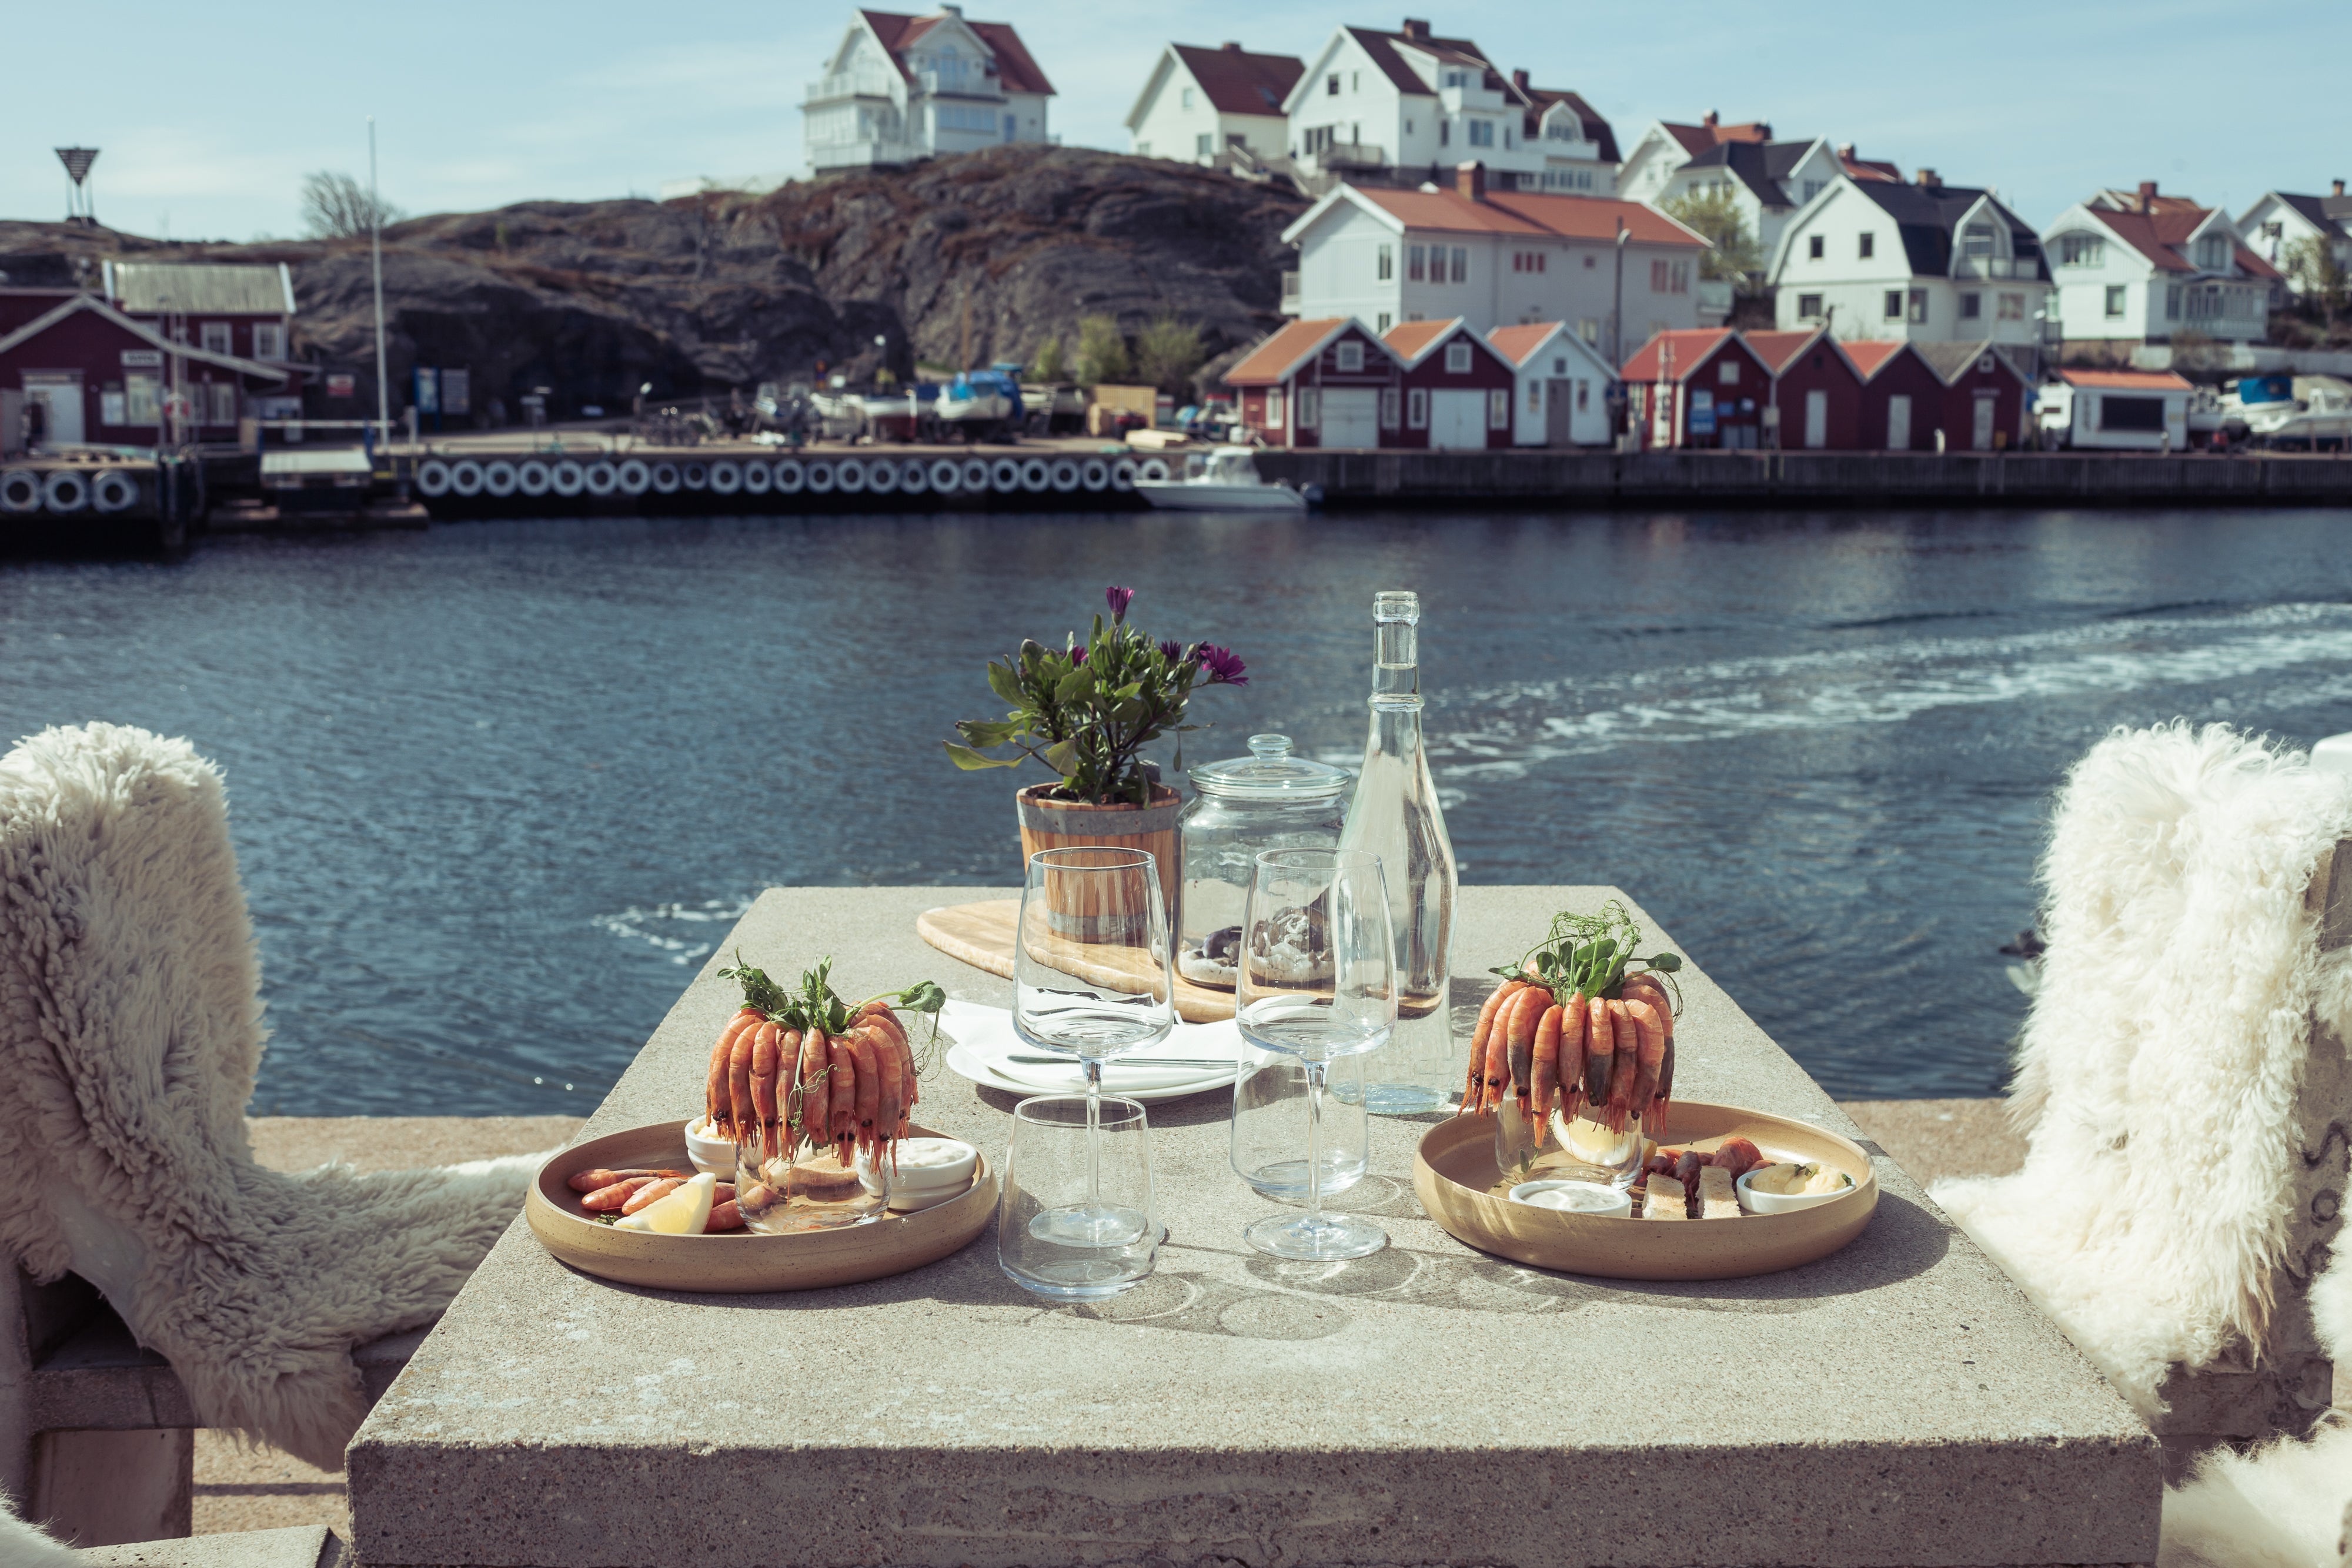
x,y
1111,1061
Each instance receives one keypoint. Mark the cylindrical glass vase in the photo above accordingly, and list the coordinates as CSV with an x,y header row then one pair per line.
x,y
807,1187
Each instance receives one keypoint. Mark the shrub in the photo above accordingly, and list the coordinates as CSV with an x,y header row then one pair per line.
x,y
1167,353
1102,351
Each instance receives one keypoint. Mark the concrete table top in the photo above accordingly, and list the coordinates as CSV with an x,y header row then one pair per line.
x,y
1898,1403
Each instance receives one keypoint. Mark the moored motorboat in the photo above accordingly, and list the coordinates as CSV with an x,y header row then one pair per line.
x,y
1223,479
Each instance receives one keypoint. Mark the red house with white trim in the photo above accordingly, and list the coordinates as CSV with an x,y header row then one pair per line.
x,y
1815,387
1902,396
1320,383
1701,389
100,378
1457,387
1987,398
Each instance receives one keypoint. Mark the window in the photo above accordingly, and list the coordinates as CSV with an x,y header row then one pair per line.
x,y
142,398
1416,408
1204,145
1274,409
1535,395
1331,85
1498,409
1478,133
2213,252
1658,275
1678,278
1526,261
1457,358
1386,322
1868,246
1971,307
1445,132
2081,250
1188,98
1143,149
1461,264
2145,413
1310,407
220,402
1729,373
1588,328
1808,307
1894,307
1814,244
1918,305
1583,395
2013,306
2272,231
2172,302
1355,81
1386,267
1350,356
1813,188
1388,408
269,340
1415,268
1012,127
1975,240
2114,300
213,338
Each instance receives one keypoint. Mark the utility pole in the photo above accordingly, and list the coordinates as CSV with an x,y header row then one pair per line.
x,y
1617,305
375,242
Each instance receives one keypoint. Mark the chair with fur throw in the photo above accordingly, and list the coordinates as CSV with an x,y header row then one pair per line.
x,y
2184,1083
131,1031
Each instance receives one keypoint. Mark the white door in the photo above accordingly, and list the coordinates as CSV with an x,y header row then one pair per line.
x,y
1981,439
60,399
1898,423
1457,420
1817,418
1351,416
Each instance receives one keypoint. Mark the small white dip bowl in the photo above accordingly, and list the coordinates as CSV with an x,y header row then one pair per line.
x,y
1575,1197
927,1172
1756,1202
715,1157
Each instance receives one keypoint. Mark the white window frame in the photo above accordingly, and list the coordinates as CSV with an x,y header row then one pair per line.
x,y
1416,408
1457,358
268,340
1386,267
1891,308
1498,408
220,402
1383,322
1416,263
1186,97
1867,245
1727,372
1971,306
1348,356
1815,245
1460,267
1388,408
1274,408
216,337
1916,307
2115,302
1310,408
1808,307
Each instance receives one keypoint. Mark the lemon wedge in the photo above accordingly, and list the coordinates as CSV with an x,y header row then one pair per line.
x,y
683,1212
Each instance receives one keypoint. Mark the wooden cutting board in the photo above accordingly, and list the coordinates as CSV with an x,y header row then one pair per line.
x,y
982,935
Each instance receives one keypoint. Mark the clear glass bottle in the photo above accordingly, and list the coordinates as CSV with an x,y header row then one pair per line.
x,y
1396,816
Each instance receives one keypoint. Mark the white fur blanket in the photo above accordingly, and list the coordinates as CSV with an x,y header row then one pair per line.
x,y
130,1029
2159,1064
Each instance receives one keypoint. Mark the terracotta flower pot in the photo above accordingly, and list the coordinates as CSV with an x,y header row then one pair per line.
x,y
1047,824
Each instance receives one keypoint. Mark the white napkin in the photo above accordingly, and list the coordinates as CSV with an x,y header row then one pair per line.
x,y
987,1033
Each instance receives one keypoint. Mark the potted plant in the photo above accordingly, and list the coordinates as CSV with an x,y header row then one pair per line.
x,y
1088,712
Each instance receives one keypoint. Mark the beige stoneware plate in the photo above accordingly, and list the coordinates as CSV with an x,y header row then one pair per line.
x,y
739,1262
1456,1177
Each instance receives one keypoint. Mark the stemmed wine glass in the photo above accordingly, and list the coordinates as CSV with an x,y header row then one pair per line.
x,y
1317,981
1091,978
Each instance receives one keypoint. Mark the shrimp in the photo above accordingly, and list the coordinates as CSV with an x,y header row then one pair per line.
x,y
596,1180
816,1104
842,1124
653,1192
726,1216
1510,1049
1651,1057
1664,1096
1600,1054
890,1101
718,1110
1625,1069
1525,1019
767,1046
1571,1070
615,1194
1472,1097
869,1086
744,1120
1547,1063
879,1015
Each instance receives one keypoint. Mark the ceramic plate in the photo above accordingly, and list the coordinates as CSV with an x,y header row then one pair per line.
x,y
966,1062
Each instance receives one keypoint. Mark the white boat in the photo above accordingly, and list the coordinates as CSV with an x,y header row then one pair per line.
x,y
1223,479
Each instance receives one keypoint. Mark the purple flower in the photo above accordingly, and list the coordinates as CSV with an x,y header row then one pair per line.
x,y
1169,649
1119,599
1078,655
1225,670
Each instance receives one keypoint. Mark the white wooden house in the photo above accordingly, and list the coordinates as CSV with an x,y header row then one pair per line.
x,y
901,88
1562,398
2275,225
1495,259
1880,259
1197,103
2141,267
1579,148
1767,181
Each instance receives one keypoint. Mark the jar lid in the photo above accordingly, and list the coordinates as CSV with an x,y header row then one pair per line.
x,y
1270,773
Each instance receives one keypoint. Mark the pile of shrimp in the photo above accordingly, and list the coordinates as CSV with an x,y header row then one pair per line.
x,y
1575,1025
790,1068
625,1192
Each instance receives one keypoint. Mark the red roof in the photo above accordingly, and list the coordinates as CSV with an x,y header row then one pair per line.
x,y
1697,139
1279,355
1450,210
1517,343
1016,70
2255,266
2125,381
1524,212
1870,354
2153,235
1382,48
1239,82
1778,348
1871,169
1596,127
1693,347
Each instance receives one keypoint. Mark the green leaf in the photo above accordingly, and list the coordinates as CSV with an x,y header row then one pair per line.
x,y
1074,685
987,732
1131,690
1062,756
1006,684
1665,962
971,761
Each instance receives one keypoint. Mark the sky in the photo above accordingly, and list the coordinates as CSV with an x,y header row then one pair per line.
x,y
208,117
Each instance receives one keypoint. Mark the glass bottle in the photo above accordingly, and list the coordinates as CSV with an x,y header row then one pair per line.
x,y
1396,816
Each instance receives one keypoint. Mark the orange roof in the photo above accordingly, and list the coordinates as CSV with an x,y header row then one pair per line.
x,y
1522,213
1870,169
1869,354
1450,210
1778,348
2125,381
1410,337
1280,354
1517,342
1693,347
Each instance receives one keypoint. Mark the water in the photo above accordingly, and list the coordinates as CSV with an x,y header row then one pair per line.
x,y
497,788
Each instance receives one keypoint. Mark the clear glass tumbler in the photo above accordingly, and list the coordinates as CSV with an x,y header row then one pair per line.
x,y
1269,1128
1057,1170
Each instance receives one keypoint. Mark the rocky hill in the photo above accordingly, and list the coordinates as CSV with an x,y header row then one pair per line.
x,y
960,261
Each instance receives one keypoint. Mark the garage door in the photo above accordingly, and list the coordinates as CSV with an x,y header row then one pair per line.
x,y
1351,416
1457,420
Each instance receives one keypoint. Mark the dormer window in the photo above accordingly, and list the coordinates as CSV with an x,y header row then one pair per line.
x,y
1976,241
2213,252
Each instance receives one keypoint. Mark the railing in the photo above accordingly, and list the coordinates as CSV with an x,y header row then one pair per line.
x,y
864,151
1290,294
1988,266
1352,155
851,84
966,84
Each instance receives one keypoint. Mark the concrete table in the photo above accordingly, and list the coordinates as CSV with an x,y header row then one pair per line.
x,y
1899,1402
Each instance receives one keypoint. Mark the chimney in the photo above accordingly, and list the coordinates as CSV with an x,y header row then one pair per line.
x,y
1417,29
2340,187
1927,177
1519,80
2148,195
1231,48
1764,130
1845,151
1470,180
1709,121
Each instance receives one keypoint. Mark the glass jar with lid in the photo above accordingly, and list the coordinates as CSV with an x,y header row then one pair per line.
x,y
1269,800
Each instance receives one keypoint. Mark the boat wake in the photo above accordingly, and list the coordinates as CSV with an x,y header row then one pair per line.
x,y
679,931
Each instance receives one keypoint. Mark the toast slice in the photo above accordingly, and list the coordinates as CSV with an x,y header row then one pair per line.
x,y
1665,1199
1717,1198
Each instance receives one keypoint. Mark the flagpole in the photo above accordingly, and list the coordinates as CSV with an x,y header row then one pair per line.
x,y
375,239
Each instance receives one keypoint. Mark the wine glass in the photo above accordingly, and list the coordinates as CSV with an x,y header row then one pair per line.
x,y
1317,981
1091,978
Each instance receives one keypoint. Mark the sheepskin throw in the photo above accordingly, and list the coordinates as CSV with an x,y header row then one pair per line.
x,y
130,1029
2159,1064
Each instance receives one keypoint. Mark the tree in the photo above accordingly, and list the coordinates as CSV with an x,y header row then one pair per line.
x,y
1167,353
1102,351
336,206
2323,280
1047,364
1737,258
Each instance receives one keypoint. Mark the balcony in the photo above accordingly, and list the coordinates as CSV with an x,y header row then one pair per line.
x,y
1290,294
851,84
963,84
1352,155
1989,266
884,153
